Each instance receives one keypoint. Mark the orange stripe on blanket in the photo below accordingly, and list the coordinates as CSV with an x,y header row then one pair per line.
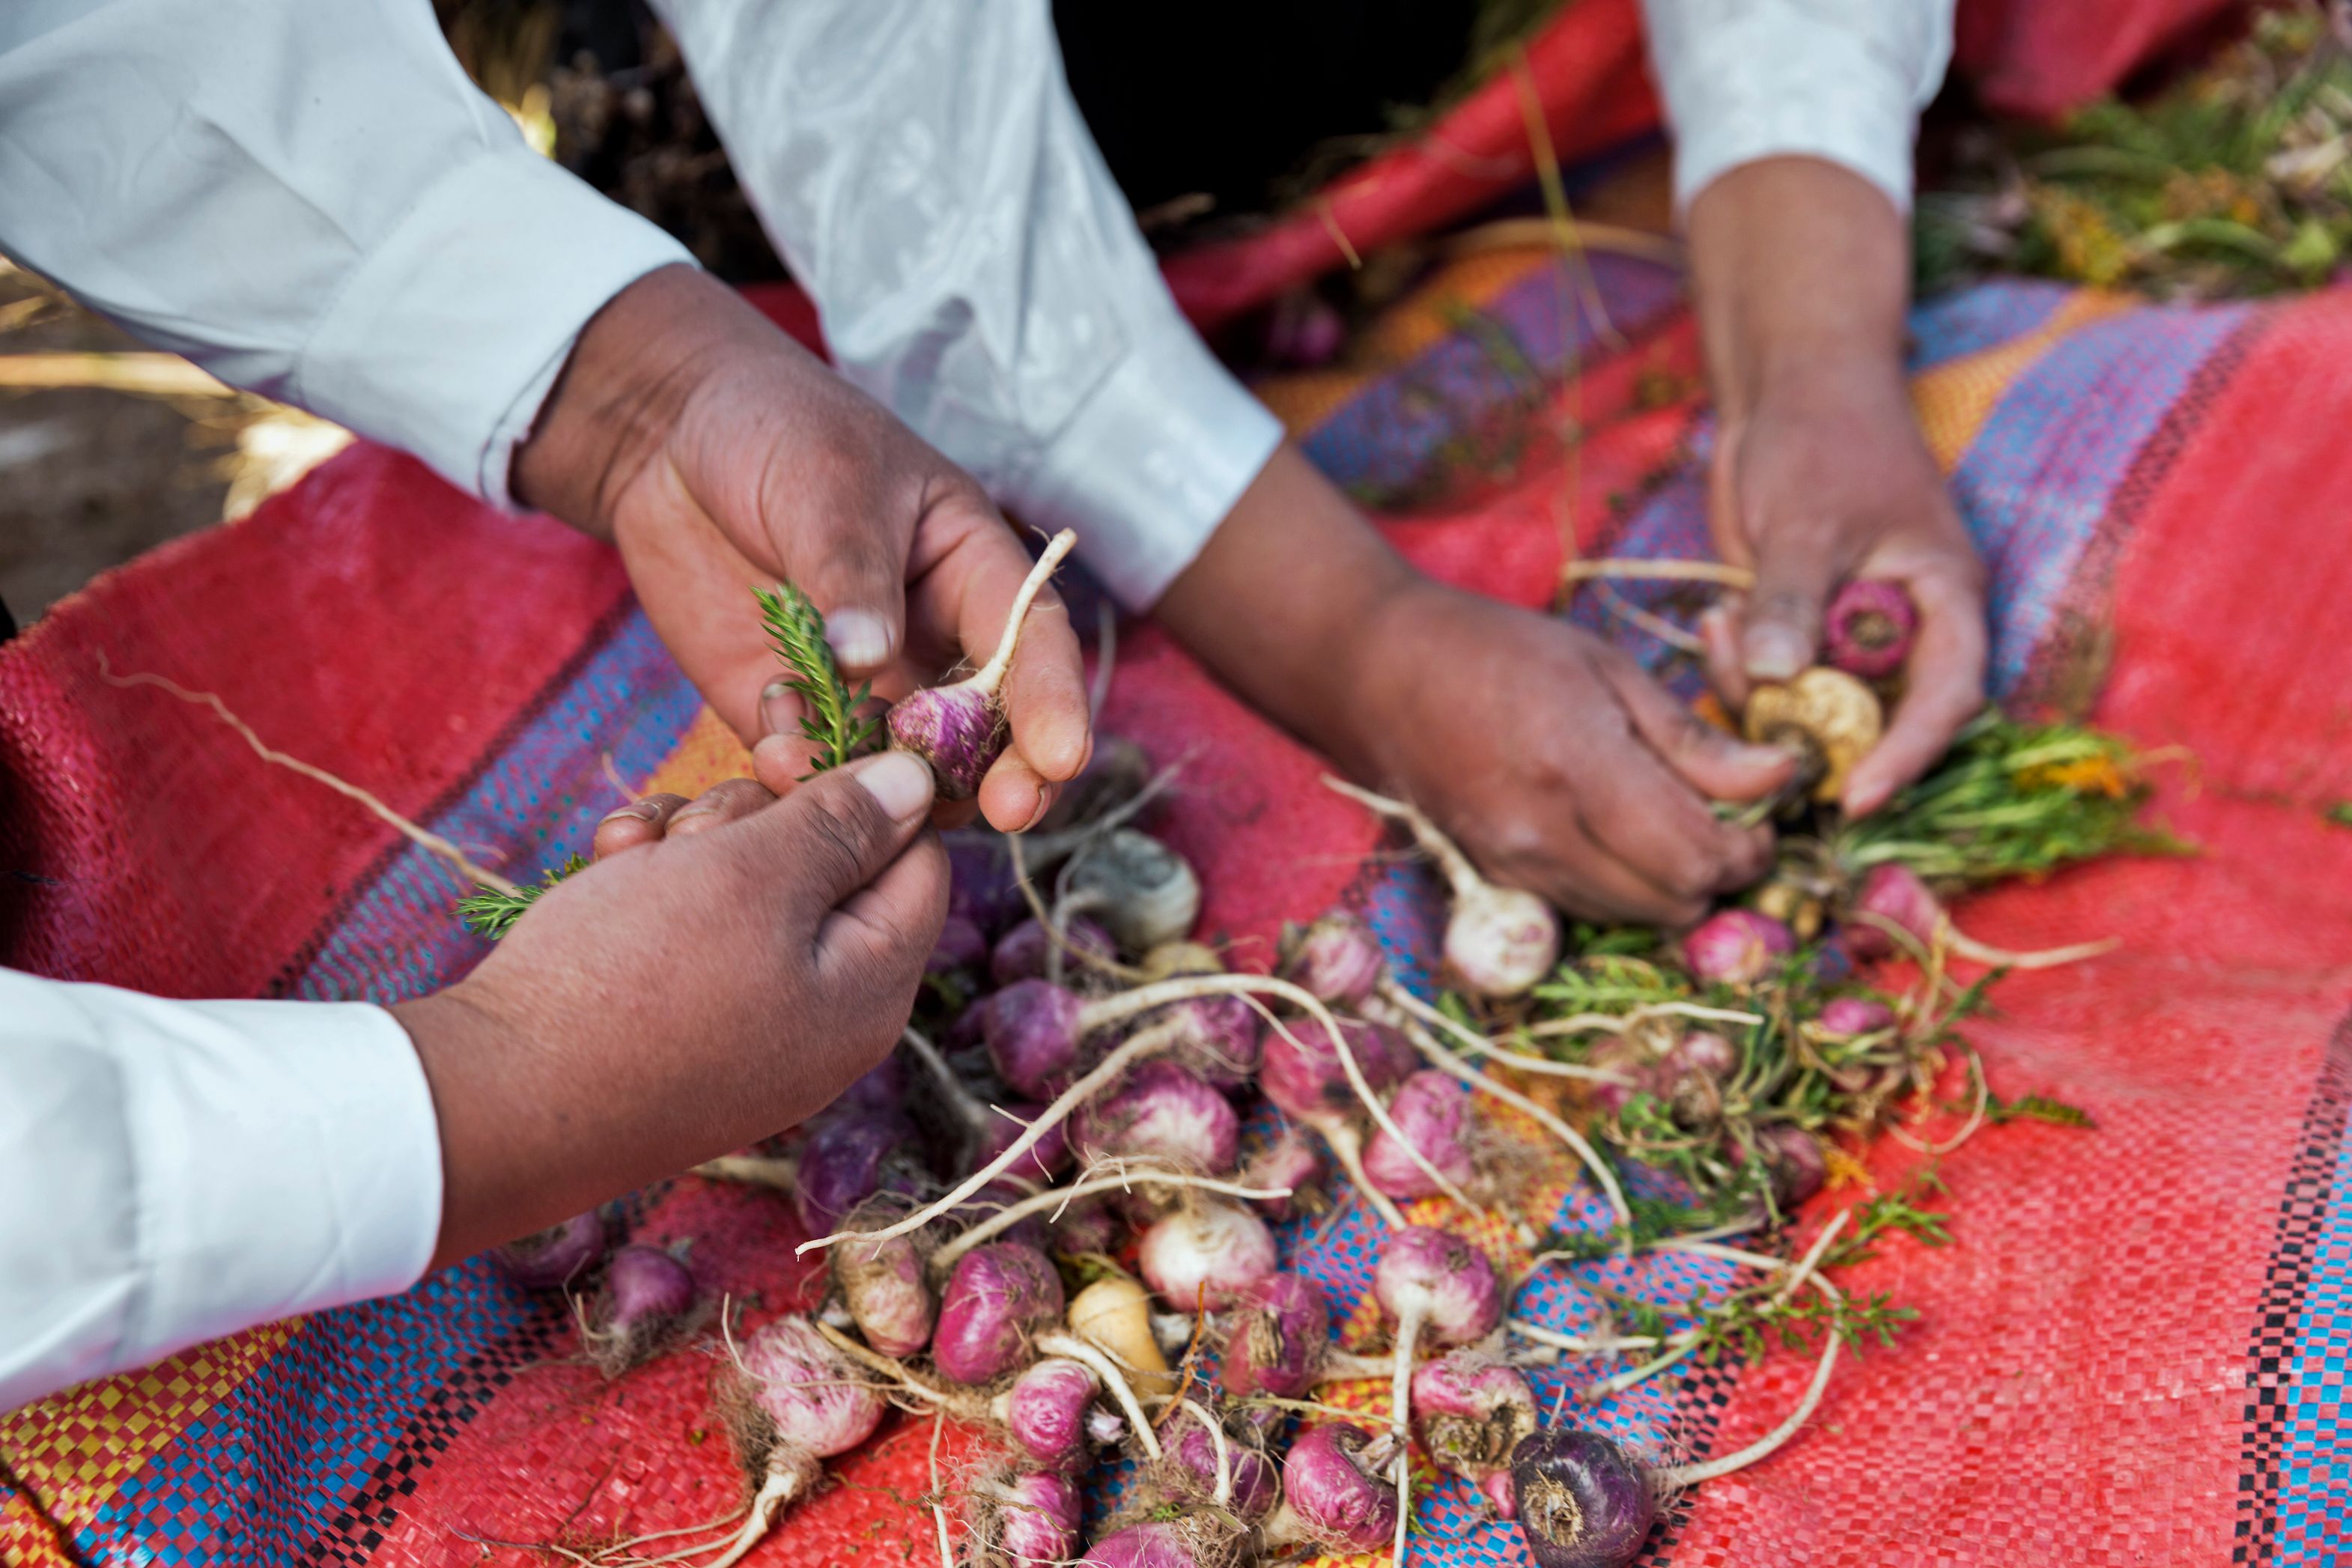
x,y
1954,399
75,1449
707,753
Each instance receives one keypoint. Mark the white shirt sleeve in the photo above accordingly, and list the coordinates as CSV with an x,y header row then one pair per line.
x,y
1842,80
922,166
308,198
176,1171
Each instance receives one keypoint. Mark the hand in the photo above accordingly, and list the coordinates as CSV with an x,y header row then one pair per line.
x,y
727,968
1821,474
720,457
1826,480
1552,759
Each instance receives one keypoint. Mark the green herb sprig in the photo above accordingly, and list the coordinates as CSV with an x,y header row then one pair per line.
x,y
833,723
491,913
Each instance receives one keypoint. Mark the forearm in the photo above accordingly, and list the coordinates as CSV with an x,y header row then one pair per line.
x,y
1282,599
1800,268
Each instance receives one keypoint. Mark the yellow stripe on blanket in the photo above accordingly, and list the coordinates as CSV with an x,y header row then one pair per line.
x,y
1954,399
74,1450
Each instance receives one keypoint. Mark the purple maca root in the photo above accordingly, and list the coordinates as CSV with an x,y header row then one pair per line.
x,y
1246,1483
1434,1111
1290,1161
1333,1492
1045,1413
1737,947
962,949
960,730
559,1255
1472,1410
1793,1162
1337,958
884,1288
1429,1282
1869,628
1849,1016
998,1297
645,1303
1160,1111
792,1400
1028,1520
850,1154
1025,951
1205,1255
1583,1502
1277,1336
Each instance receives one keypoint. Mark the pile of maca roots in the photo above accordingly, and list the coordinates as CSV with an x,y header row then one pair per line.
x,y
1044,1218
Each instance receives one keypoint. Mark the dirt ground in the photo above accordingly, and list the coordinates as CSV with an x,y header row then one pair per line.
x,y
90,479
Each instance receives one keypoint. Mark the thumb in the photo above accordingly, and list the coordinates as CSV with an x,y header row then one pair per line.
x,y
1718,765
837,833
1794,572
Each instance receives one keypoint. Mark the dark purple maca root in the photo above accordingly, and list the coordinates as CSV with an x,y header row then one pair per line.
x,y
1584,1501
647,1301
559,1256
1276,1337
1869,628
960,730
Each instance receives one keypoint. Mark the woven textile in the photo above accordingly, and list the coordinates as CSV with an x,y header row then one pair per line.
x,y
2132,1353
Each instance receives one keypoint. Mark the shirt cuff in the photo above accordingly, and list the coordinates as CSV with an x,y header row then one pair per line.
x,y
1150,465
288,1162
1790,87
447,338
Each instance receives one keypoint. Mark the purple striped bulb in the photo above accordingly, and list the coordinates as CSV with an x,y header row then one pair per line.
x,y
1276,1337
1205,1254
1738,947
1032,1519
847,1157
883,1286
1190,1471
1031,1029
1045,1413
1470,1410
1868,629
1342,1498
1855,1015
1021,952
1433,1111
1895,895
1158,1110
559,1255
1440,1280
960,729
996,1298
1301,1071
817,1402
1337,959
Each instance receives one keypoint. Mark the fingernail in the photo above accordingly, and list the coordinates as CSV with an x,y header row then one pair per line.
x,y
772,713
899,782
860,639
1775,653
640,810
1037,813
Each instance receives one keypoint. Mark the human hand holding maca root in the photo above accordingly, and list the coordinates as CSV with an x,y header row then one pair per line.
x,y
720,457
724,970
1821,475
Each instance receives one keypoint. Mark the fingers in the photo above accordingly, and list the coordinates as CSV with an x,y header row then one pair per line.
x,y
722,803
642,821
968,594
1719,767
881,937
1796,569
1945,687
835,834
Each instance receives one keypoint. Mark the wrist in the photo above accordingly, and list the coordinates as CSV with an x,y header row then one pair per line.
x,y
1801,271
489,1171
621,390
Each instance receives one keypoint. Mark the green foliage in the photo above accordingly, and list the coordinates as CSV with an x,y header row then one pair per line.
x,y
833,724
2232,182
491,913
2035,1107
2009,800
